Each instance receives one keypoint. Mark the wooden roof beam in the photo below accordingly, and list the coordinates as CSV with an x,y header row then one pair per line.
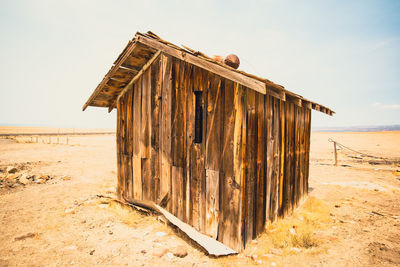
x,y
134,79
307,104
209,66
316,107
113,69
293,99
280,94
128,69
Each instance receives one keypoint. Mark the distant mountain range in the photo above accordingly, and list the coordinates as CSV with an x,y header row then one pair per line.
x,y
379,128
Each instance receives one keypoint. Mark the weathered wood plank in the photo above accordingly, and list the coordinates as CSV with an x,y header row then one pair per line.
x,y
213,125
146,179
177,191
190,122
203,87
184,77
127,166
308,135
122,150
178,131
251,166
118,139
269,179
212,202
197,174
282,114
288,159
137,177
156,76
165,142
212,246
233,132
302,153
129,142
277,157
177,115
137,165
260,166
291,173
296,190
209,66
145,134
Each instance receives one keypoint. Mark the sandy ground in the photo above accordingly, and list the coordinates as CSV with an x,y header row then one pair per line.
x,y
352,213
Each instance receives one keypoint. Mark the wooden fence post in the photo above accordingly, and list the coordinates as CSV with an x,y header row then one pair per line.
x,y
334,148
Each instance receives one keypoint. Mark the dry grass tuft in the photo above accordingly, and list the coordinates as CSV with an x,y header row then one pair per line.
x,y
299,230
128,215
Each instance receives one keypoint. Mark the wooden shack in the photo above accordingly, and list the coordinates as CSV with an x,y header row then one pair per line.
x,y
222,150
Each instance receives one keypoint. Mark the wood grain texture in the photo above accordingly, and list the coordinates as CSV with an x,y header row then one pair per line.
x,y
269,157
190,122
260,166
145,126
165,142
197,175
277,158
156,78
212,202
145,136
118,141
137,117
282,115
251,166
213,124
128,153
177,192
230,223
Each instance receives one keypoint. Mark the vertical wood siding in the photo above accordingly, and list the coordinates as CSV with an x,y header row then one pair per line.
x,y
251,165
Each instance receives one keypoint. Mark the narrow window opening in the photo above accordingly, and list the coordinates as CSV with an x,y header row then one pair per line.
x,y
198,130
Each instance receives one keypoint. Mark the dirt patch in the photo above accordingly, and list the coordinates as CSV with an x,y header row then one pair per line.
x,y
344,222
22,175
381,253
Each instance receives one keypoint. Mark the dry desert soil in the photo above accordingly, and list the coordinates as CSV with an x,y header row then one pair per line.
x,y
56,209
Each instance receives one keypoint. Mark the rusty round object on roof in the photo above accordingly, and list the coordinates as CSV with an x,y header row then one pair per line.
x,y
232,61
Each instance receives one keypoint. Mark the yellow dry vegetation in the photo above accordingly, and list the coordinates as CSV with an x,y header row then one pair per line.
x,y
299,230
295,233
135,218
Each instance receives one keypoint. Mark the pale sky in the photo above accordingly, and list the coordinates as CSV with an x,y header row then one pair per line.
x,y
341,54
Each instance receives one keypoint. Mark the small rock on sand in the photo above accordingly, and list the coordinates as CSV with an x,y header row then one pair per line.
x,y
159,252
24,179
11,169
180,251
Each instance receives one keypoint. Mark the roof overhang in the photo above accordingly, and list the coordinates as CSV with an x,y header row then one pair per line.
x,y
145,48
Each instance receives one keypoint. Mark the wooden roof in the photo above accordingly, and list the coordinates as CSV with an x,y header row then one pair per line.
x,y
145,48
